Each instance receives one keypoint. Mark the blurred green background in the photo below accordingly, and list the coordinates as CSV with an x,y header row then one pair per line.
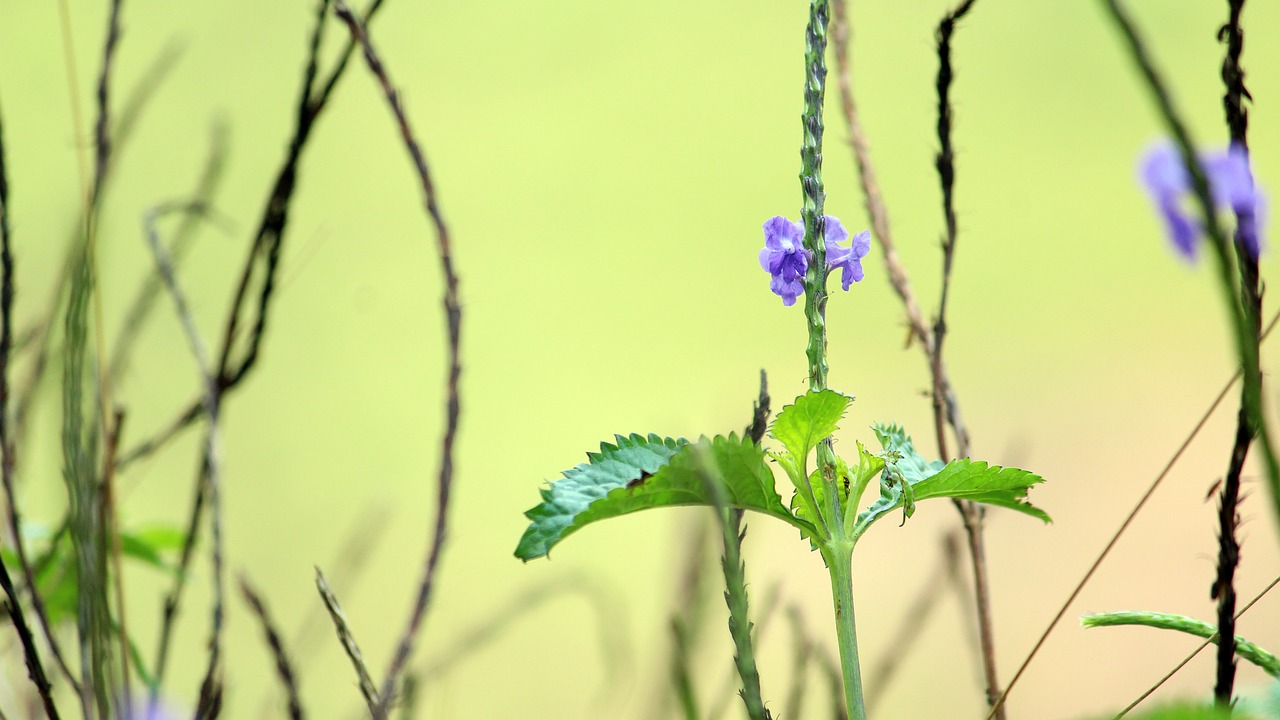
x,y
605,168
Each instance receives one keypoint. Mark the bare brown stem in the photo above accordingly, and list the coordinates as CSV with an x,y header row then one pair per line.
x,y
453,319
284,669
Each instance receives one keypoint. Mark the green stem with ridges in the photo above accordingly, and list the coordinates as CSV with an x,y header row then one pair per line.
x,y
839,557
837,549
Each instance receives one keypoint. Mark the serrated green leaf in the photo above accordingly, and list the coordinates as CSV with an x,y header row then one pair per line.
x,y
909,478
641,473
991,484
803,424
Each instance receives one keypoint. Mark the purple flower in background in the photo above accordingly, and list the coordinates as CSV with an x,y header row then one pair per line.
x,y
1230,181
786,259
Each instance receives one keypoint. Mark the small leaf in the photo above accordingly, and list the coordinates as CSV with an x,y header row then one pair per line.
x,y
812,417
641,473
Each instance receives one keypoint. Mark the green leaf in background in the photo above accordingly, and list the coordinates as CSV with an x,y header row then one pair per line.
x,y
147,546
812,417
641,473
990,484
1181,623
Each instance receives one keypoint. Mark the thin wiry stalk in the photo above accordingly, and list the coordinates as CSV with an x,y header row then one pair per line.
x,y
1223,589
210,466
1115,537
310,632
139,309
945,407
7,441
1192,655
348,640
35,670
265,250
283,668
453,318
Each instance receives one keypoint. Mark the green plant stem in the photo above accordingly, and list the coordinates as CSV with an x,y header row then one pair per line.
x,y
815,281
837,550
839,557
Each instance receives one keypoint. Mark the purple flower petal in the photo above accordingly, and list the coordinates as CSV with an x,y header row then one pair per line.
x,y
785,258
1166,180
849,259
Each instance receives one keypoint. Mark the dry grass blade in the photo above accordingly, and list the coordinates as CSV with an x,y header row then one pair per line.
x,y
453,318
348,640
283,669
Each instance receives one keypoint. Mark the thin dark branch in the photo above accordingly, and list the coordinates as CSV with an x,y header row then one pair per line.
x,y
348,640
209,476
1115,537
453,318
265,250
1223,589
32,657
103,130
945,407
7,442
143,302
283,669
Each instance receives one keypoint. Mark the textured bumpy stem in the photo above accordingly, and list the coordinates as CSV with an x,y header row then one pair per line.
x,y
815,284
839,554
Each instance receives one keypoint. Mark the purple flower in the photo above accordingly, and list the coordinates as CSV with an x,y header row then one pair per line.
x,y
786,259
849,259
1230,181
